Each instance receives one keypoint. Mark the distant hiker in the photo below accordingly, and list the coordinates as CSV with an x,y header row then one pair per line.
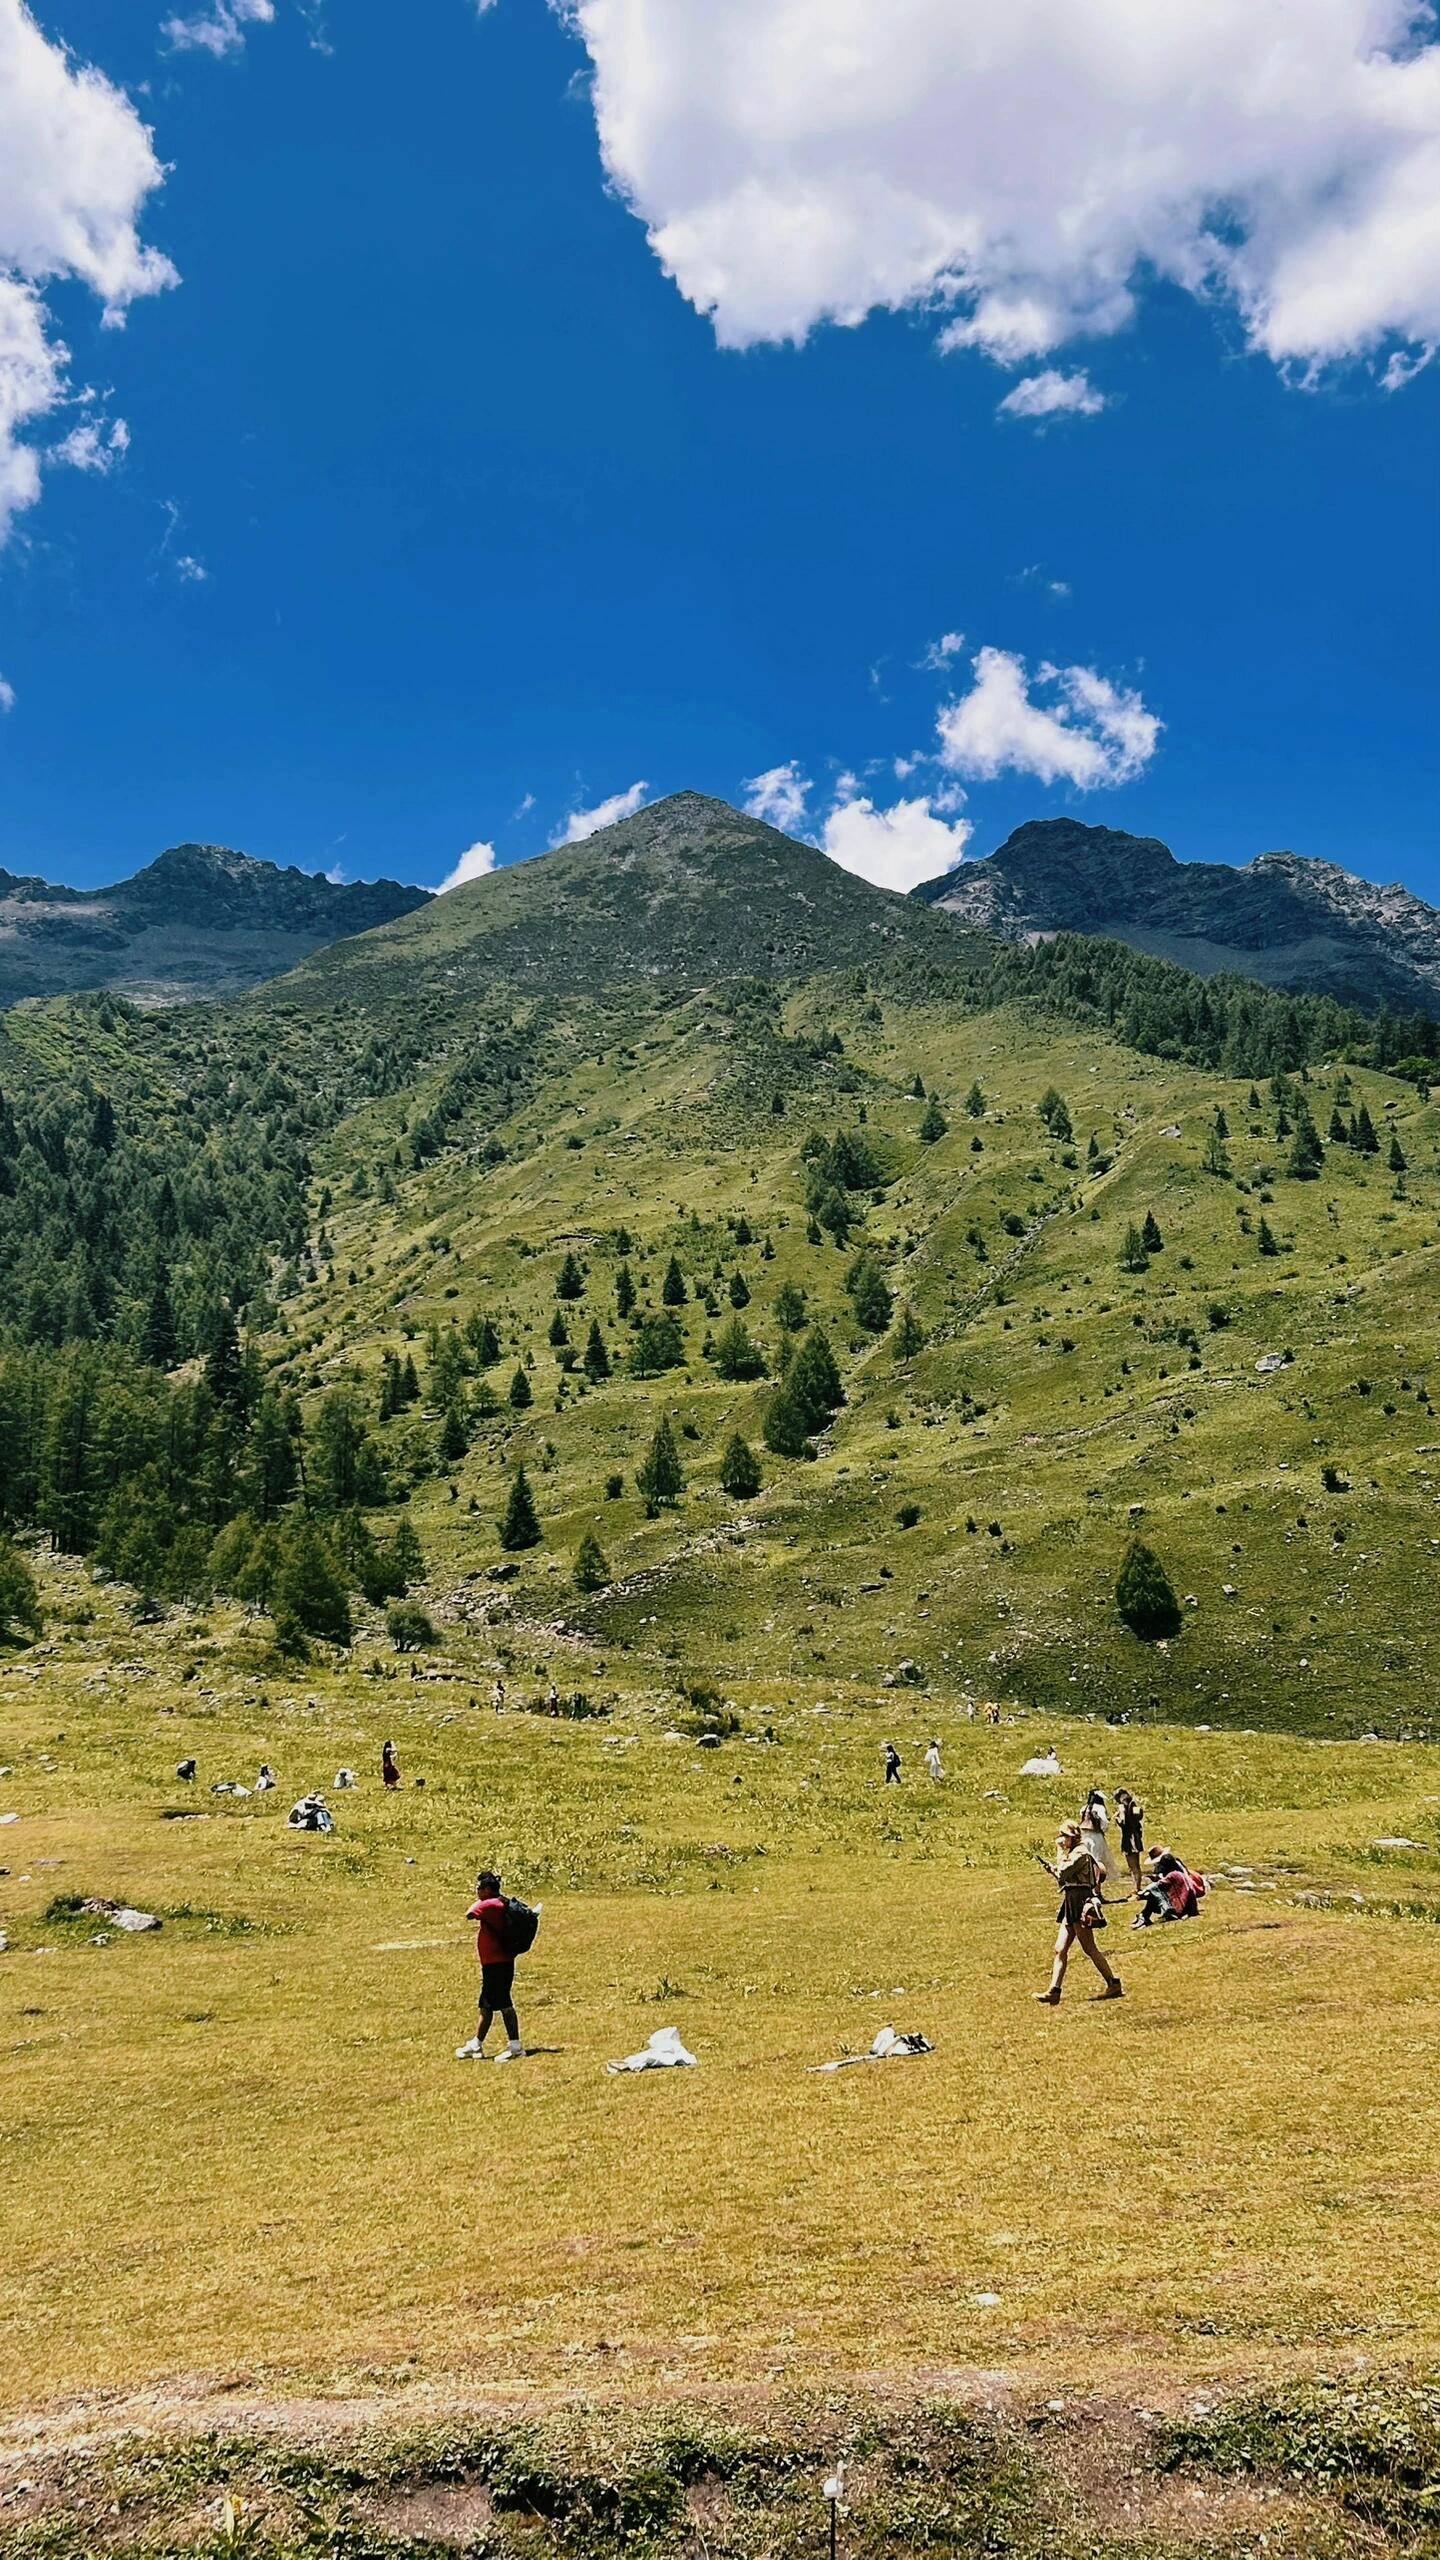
x,y
892,1765
1081,1912
934,1765
186,1770
497,1696
552,1700
389,1765
1095,1832
1132,1833
1172,1891
506,1929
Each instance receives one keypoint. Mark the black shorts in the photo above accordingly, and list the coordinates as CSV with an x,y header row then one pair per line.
x,y
497,1986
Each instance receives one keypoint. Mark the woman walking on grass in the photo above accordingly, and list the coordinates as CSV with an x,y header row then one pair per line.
x,y
1132,1833
1081,1912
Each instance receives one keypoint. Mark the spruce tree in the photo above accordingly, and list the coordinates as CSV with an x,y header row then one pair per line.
x,y
624,1290
224,1364
736,1354
406,1559
597,1358
1396,1160
933,1123
522,1394
1215,1159
789,1306
813,1380
1150,1235
739,1290
673,1292
484,1341
308,1593
559,1331
520,1527
409,1379
591,1572
158,1346
1339,1134
571,1280
1143,1594
661,1480
1264,1238
975,1102
20,1612
1134,1257
1307,1155
454,1438
740,1475
870,1295
1365,1139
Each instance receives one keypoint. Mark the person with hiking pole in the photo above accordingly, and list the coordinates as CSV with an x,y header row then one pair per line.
x,y
506,1930
1081,1912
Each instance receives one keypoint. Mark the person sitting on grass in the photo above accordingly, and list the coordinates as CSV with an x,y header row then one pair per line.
x,y
1081,1912
497,1972
1171,1891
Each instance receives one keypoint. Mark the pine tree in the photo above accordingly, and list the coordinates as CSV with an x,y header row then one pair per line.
x,y
909,1334
789,1306
410,1381
975,1102
1307,1155
1133,1257
1364,1138
813,1381
673,1292
740,1475
1215,1160
739,1290
392,1391
1264,1238
559,1331
308,1594
917,1089
20,1612
933,1123
736,1354
224,1364
622,1240
1221,1124
743,1231
1150,1235
1339,1134
661,1480
454,1438
786,1427
520,1527
484,1341
1143,1594
406,1559
158,1346
870,1295
592,1571
571,1280
597,1358
659,1345
522,1394
1396,1160
624,1290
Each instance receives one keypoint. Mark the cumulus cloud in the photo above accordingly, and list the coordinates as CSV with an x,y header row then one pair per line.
x,y
1066,724
219,30
896,848
606,813
7,695
778,797
1053,395
1027,171
475,863
76,167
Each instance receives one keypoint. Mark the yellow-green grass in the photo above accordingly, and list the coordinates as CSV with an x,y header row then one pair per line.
x,y
249,2152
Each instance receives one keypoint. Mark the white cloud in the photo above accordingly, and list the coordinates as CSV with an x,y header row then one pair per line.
x,y
476,863
896,848
219,30
1086,731
606,813
93,446
1053,395
941,651
1029,169
76,166
7,695
335,875
778,797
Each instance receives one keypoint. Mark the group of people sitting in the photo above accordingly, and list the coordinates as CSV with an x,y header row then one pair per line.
x,y
1086,1860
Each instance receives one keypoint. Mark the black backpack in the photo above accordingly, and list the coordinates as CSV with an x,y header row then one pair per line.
x,y
519,1926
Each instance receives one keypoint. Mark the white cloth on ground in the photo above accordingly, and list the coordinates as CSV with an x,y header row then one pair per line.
x,y
664,2052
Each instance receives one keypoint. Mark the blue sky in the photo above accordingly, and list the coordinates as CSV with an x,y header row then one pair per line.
x,y
491,528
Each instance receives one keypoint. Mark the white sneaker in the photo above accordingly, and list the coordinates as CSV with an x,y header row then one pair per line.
x,y
511,2053
474,2051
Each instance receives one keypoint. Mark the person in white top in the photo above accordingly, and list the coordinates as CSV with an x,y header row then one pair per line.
x,y
1094,1834
933,1762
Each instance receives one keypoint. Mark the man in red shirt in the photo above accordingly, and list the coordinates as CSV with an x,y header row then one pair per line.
x,y
497,1972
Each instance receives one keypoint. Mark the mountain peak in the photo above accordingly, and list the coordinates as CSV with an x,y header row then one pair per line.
x,y
1286,919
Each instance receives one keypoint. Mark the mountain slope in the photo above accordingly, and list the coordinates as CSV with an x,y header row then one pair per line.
x,y
1282,919
198,921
